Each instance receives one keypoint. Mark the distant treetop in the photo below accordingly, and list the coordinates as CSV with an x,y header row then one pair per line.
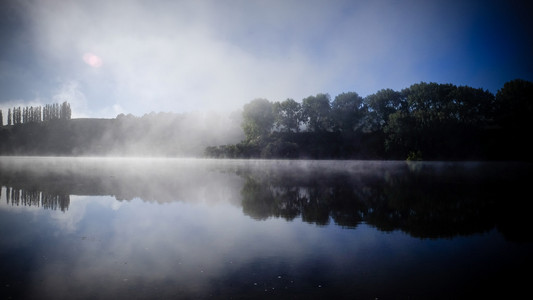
x,y
37,114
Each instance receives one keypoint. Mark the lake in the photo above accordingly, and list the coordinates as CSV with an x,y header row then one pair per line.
x,y
156,228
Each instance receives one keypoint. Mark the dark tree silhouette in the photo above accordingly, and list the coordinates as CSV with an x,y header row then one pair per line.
x,y
258,119
348,111
316,112
514,104
17,115
381,105
288,115
424,121
65,112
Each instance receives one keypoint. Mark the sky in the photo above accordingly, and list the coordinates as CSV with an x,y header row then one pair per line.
x,y
141,56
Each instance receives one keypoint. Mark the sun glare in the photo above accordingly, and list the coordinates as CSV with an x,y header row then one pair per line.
x,y
92,60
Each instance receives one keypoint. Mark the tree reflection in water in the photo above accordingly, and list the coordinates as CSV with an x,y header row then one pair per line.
x,y
47,200
423,199
426,200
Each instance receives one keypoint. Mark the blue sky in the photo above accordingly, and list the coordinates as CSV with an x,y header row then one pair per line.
x,y
111,57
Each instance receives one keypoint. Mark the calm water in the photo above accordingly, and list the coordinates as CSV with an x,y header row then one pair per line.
x,y
97,228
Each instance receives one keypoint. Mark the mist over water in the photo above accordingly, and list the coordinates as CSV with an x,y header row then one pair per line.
x,y
214,228
280,188
116,199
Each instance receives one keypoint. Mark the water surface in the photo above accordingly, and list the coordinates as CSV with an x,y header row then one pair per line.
x,y
101,228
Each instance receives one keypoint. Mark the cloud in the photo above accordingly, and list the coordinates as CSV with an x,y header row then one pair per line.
x,y
70,92
177,57
196,55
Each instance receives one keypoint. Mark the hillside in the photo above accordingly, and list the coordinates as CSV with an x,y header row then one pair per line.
x,y
162,134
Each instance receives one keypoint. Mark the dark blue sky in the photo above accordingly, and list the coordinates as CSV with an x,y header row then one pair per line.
x,y
109,57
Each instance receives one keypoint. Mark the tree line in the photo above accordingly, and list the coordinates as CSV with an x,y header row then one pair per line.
x,y
424,121
37,114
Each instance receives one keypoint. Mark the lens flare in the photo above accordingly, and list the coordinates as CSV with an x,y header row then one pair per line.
x,y
92,60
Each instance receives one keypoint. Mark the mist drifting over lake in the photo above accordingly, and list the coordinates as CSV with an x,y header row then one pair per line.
x,y
265,149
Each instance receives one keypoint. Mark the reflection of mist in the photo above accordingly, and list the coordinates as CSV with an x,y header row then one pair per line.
x,y
182,250
154,180
190,229
424,199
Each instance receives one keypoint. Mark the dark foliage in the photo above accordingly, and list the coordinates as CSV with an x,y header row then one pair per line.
x,y
427,121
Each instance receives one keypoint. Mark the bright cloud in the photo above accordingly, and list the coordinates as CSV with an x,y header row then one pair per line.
x,y
180,56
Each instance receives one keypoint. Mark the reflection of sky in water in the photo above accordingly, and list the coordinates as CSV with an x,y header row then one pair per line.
x,y
204,244
143,248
